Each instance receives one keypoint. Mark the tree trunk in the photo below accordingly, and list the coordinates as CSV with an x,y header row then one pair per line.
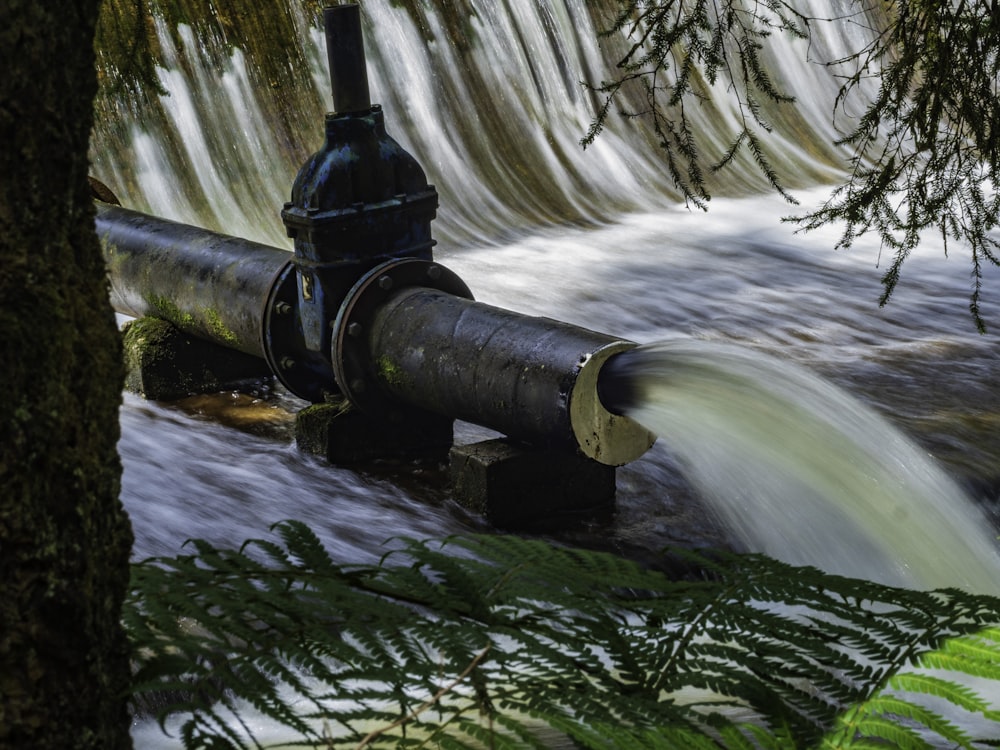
x,y
64,536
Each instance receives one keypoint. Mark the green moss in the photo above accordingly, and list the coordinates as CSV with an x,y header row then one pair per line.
x,y
169,311
146,339
209,318
390,372
219,329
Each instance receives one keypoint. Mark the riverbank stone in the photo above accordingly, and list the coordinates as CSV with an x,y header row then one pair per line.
x,y
165,364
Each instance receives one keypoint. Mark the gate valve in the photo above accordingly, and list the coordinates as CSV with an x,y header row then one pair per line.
x,y
359,201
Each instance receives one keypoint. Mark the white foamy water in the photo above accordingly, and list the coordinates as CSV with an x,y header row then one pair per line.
x,y
798,469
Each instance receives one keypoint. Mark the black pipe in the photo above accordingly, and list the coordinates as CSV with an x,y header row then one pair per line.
x,y
345,51
407,335
530,378
210,285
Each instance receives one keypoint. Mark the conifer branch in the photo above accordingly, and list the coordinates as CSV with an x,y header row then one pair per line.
x,y
924,153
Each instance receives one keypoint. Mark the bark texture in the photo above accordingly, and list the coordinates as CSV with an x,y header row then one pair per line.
x,y
64,536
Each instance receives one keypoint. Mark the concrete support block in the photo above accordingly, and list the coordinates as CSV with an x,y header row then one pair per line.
x,y
344,435
521,488
164,364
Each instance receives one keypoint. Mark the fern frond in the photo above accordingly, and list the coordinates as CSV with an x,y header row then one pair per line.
x,y
584,644
892,733
973,654
918,715
926,684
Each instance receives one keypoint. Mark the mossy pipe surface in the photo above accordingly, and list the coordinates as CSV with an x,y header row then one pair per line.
x,y
530,378
210,285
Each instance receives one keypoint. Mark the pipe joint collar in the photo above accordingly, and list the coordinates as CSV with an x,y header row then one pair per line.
x,y
353,365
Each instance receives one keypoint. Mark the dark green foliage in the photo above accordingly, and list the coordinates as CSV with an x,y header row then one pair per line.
x,y
678,47
919,102
493,641
926,150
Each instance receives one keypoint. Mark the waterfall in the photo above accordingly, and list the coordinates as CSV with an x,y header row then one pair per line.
x,y
491,98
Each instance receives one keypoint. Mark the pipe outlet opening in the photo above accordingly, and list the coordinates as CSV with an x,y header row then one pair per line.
x,y
604,434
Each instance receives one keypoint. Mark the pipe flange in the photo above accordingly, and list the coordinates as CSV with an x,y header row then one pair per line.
x,y
304,373
356,374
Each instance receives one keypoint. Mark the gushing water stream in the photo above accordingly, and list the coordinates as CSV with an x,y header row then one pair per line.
x,y
801,470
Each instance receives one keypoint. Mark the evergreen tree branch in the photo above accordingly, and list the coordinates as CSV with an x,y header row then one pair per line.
x,y
676,48
923,154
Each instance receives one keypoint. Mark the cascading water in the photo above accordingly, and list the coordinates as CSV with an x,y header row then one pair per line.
x,y
799,469
489,97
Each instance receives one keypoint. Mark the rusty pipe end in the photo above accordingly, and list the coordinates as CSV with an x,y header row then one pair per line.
x,y
604,434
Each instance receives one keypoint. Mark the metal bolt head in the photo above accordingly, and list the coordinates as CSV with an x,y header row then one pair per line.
x,y
282,308
385,282
434,273
355,329
287,363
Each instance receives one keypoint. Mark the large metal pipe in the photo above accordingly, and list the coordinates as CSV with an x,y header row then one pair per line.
x,y
360,308
210,285
407,335
532,378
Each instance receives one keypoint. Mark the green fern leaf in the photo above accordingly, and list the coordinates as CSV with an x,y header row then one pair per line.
x,y
953,692
893,733
583,644
890,705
